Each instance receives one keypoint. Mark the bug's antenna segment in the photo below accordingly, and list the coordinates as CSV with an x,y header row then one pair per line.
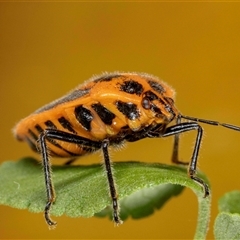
x,y
230,126
215,123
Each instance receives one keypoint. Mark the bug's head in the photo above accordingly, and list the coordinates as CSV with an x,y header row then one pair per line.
x,y
158,102
146,100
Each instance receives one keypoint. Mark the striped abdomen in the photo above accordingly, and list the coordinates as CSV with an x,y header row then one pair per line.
x,y
106,107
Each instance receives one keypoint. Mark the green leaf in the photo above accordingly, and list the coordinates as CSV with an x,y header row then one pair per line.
x,y
83,190
227,223
143,202
227,226
230,202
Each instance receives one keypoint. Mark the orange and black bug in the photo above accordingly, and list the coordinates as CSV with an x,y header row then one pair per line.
x,y
108,110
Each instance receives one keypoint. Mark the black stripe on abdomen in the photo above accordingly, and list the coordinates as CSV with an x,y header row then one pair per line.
x,y
66,124
52,141
32,134
32,144
50,124
84,117
105,115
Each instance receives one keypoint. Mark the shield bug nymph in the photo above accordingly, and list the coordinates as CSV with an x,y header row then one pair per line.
x,y
107,110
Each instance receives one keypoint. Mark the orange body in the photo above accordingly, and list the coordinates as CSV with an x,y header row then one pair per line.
x,y
105,107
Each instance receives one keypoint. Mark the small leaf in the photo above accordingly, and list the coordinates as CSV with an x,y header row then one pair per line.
x,y
230,202
227,223
227,226
83,190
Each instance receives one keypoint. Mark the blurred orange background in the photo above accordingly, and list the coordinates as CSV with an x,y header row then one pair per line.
x,y
49,48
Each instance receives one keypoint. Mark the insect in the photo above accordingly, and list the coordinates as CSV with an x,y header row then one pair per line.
x,y
105,111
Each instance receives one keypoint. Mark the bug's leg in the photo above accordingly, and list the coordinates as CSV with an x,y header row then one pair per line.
x,y
54,134
175,155
185,127
111,182
48,179
50,135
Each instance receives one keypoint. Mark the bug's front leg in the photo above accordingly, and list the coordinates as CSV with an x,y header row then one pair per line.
x,y
185,127
48,179
111,182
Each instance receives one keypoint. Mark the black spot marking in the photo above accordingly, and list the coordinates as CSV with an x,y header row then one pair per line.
x,y
128,109
132,87
84,117
39,128
50,124
69,97
32,134
66,124
105,115
156,86
107,78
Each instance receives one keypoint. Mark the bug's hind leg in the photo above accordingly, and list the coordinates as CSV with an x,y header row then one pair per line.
x,y
48,180
54,134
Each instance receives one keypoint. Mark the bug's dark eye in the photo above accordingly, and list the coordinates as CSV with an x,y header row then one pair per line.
x,y
146,103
